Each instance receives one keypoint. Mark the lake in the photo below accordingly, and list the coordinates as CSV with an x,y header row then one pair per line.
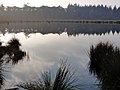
x,y
48,44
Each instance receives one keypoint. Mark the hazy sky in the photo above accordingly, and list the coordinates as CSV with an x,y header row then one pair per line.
x,y
63,3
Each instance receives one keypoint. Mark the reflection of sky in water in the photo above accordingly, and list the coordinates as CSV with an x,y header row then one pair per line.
x,y
46,51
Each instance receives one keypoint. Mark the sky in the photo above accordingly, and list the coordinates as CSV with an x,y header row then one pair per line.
x,y
62,3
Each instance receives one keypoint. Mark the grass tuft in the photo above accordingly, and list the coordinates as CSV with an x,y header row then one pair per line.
x,y
64,80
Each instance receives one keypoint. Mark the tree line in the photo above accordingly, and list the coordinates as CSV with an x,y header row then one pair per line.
x,y
29,13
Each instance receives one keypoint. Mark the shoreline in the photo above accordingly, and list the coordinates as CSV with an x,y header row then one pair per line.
x,y
65,21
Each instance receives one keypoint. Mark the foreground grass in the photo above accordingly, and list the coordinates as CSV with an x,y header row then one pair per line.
x,y
9,53
64,80
105,65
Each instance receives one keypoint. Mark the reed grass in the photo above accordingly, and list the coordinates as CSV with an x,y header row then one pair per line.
x,y
64,80
105,65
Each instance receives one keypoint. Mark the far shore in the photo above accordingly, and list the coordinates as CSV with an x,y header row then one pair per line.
x,y
64,21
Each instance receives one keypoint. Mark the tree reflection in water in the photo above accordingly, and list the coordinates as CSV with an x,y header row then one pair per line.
x,y
10,53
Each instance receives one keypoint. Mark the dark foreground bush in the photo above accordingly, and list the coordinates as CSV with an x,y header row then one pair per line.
x,y
9,53
105,65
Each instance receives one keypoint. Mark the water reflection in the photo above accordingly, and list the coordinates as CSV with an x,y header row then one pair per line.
x,y
47,50
9,53
46,47
58,28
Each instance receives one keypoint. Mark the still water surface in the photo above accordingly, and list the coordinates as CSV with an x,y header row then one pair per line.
x,y
47,50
